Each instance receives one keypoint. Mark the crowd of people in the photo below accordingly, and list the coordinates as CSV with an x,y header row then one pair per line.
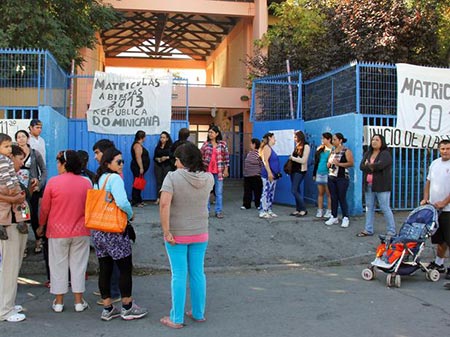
x,y
186,176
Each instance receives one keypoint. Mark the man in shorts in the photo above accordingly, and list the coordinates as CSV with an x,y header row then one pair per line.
x,y
437,192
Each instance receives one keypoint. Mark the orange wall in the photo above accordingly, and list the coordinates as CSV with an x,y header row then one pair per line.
x,y
225,66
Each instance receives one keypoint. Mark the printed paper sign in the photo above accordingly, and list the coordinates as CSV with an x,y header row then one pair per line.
x,y
11,126
123,105
284,145
423,99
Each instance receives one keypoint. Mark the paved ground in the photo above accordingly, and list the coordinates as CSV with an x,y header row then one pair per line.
x,y
241,240
281,277
309,302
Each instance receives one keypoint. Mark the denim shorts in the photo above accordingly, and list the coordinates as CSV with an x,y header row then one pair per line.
x,y
321,179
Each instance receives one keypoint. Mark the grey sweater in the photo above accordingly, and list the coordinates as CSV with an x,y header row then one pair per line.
x,y
190,193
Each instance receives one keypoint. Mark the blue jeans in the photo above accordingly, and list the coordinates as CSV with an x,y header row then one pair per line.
x,y
383,201
218,190
338,191
184,259
296,181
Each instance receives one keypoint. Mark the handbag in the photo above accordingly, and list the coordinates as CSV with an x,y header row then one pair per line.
x,y
102,213
287,168
139,182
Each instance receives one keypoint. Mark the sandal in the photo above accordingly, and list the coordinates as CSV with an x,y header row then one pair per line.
x,y
294,213
301,214
189,314
167,322
363,234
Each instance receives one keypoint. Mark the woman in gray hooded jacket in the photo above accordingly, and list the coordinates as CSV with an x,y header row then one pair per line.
x,y
184,221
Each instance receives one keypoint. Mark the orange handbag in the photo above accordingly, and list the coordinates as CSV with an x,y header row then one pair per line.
x,y
139,182
102,213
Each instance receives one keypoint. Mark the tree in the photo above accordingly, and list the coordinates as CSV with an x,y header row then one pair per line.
x,y
318,36
62,27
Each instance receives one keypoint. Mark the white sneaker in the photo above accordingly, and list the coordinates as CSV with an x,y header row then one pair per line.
x,y
57,307
332,221
319,213
345,222
18,308
79,307
263,214
328,214
272,214
16,317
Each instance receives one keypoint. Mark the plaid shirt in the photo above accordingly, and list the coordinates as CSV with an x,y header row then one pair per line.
x,y
223,157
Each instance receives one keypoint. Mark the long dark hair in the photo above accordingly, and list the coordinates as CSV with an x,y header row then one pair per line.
x,y
107,158
383,142
300,146
190,156
216,129
169,140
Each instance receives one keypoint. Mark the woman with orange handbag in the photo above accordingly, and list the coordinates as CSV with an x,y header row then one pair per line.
x,y
115,247
140,162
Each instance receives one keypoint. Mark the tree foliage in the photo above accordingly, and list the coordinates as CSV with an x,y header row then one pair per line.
x,y
63,27
317,36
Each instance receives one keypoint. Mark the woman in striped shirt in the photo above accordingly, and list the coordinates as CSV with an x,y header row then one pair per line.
x,y
252,176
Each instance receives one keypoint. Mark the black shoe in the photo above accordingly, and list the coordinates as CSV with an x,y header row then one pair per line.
x,y
439,267
447,276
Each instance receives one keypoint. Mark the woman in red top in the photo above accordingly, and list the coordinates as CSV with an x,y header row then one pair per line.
x,y
216,160
62,211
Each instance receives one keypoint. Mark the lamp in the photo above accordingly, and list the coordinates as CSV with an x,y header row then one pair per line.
x,y
213,112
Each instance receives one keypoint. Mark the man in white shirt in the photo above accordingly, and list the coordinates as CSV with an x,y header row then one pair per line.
x,y
437,193
36,141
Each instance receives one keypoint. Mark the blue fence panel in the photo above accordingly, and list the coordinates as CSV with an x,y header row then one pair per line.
x,y
55,134
350,126
283,193
277,97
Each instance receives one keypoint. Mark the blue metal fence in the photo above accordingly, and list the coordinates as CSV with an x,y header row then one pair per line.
x,y
277,97
38,77
366,89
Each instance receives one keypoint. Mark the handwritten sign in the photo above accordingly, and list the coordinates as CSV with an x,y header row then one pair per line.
x,y
123,105
401,138
11,126
423,99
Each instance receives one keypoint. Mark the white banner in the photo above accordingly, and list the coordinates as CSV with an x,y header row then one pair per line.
x,y
401,138
123,105
11,126
423,99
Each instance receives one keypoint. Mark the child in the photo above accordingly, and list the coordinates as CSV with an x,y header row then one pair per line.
x,y
9,185
252,176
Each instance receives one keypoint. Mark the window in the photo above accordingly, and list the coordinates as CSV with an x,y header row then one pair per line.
x,y
198,133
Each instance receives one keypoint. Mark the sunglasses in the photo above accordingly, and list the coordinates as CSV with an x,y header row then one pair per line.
x,y
120,162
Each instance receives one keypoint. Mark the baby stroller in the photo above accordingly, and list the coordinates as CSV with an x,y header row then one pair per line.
x,y
400,254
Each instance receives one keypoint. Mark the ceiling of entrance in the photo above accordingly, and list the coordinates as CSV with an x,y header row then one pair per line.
x,y
166,35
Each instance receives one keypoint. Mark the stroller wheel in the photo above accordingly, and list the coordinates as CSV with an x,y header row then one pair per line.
x,y
368,274
397,281
433,275
389,280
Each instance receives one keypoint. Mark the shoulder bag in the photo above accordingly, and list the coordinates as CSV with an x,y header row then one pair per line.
x,y
102,213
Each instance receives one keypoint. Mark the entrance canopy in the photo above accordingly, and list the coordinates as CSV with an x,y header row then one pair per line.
x,y
166,35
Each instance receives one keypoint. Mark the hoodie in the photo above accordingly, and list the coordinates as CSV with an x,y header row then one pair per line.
x,y
190,192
